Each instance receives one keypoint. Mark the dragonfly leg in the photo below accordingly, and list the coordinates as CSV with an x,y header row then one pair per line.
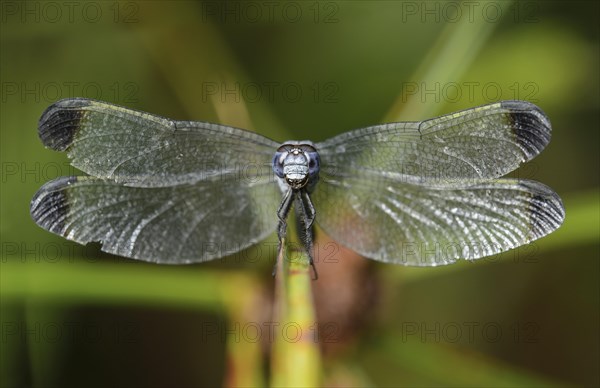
x,y
282,213
311,213
308,217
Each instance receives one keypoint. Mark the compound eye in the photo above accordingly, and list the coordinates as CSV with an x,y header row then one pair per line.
x,y
278,164
313,163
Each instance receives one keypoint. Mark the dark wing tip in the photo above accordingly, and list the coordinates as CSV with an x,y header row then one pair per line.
x,y
531,125
49,206
546,209
60,122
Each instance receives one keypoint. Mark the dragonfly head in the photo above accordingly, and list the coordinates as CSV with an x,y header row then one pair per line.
x,y
297,163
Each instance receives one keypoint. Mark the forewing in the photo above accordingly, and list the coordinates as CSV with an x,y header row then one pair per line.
x,y
479,143
172,225
140,149
425,225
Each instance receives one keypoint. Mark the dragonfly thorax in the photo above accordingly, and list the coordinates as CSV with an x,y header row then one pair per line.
x,y
297,163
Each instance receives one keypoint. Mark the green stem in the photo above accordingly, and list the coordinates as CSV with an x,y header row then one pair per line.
x,y
295,356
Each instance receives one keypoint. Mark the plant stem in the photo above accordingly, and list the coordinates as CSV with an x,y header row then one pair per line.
x,y
295,356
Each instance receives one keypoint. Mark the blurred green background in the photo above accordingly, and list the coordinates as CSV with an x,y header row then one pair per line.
x,y
72,316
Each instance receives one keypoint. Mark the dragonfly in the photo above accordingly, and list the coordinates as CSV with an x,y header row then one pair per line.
x,y
423,193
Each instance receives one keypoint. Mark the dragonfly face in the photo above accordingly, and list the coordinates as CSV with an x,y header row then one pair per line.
x,y
297,163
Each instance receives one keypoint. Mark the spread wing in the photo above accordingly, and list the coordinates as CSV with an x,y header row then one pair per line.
x,y
174,225
425,225
161,190
425,193
480,143
144,150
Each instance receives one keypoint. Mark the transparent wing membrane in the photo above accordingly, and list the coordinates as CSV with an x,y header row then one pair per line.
x,y
140,149
407,223
173,225
479,143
